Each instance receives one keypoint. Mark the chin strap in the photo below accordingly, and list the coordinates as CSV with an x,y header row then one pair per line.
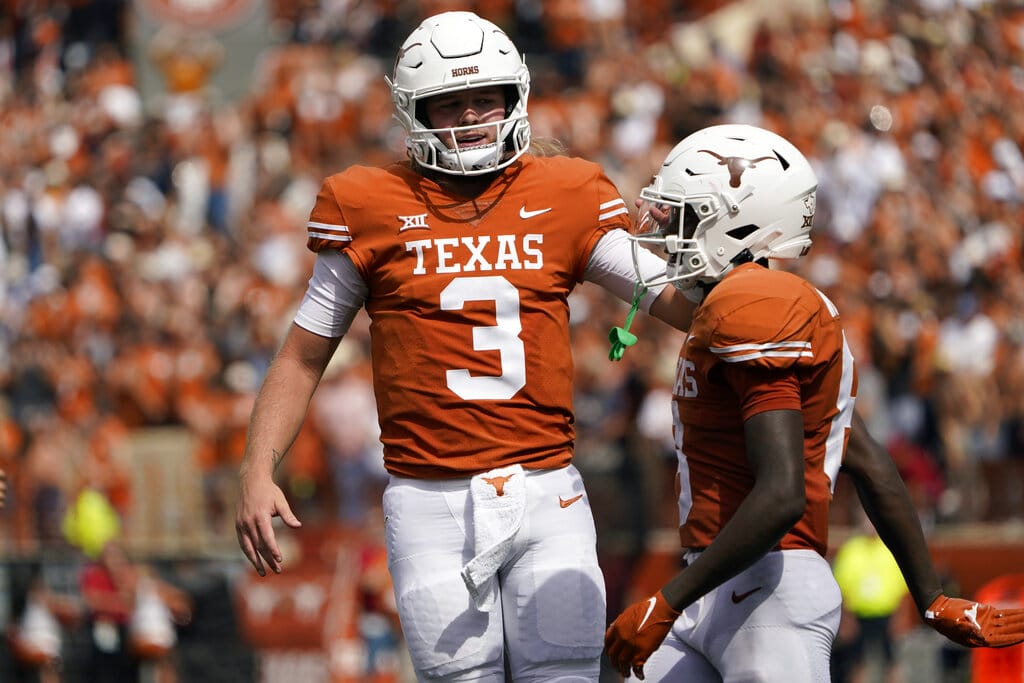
x,y
621,337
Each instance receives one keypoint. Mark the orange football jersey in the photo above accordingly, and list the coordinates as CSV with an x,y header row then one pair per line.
x,y
468,306
754,329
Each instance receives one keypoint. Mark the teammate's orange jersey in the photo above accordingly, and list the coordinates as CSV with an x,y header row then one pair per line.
x,y
756,332
468,306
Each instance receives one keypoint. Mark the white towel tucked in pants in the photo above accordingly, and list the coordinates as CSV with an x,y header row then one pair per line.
x,y
498,499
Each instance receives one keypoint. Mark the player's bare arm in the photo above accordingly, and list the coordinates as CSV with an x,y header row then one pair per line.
x,y
888,505
276,419
775,453
673,308
776,502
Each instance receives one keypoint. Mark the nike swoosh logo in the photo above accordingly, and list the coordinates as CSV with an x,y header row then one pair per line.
x,y
524,214
737,599
567,502
651,602
972,616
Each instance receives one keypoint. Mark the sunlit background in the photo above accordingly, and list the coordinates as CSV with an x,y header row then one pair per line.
x,y
158,160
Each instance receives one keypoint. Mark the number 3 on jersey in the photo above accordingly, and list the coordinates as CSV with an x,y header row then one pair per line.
x,y
502,337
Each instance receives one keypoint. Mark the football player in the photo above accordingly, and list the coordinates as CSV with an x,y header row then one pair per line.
x,y
464,257
763,404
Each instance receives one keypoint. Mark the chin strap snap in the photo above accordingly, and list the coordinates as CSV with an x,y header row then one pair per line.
x,y
621,337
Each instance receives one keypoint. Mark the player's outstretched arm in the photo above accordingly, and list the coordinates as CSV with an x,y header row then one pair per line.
x,y
277,416
672,307
888,505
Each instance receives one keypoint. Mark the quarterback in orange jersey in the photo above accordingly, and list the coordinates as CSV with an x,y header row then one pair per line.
x,y
763,406
464,258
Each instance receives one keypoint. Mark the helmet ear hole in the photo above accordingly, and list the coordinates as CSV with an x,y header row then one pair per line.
x,y
690,221
419,114
511,98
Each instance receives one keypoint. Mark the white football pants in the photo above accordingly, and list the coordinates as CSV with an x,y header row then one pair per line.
x,y
773,623
550,615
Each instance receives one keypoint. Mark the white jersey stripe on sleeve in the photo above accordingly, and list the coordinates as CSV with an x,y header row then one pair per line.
x,y
609,204
609,214
761,347
330,237
767,354
327,226
738,353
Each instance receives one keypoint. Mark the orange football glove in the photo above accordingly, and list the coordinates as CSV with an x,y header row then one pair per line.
x,y
637,633
975,624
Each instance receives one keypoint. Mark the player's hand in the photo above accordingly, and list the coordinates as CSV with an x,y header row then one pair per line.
x,y
637,633
659,213
975,624
259,502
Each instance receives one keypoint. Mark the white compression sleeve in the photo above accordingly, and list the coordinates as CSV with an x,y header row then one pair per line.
x,y
335,294
611,266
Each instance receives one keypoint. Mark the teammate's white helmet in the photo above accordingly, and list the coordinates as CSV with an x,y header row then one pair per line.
x,y
449,52
725,195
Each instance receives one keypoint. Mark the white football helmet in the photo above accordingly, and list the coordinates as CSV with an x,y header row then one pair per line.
x,y
726,195
454,51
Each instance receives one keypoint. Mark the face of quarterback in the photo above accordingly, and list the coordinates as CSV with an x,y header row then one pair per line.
x,y
462,111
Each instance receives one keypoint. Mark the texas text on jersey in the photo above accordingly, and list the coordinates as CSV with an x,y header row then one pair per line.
x,y
475,293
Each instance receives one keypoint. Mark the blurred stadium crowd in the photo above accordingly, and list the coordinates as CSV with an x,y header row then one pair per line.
x,y
153,248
